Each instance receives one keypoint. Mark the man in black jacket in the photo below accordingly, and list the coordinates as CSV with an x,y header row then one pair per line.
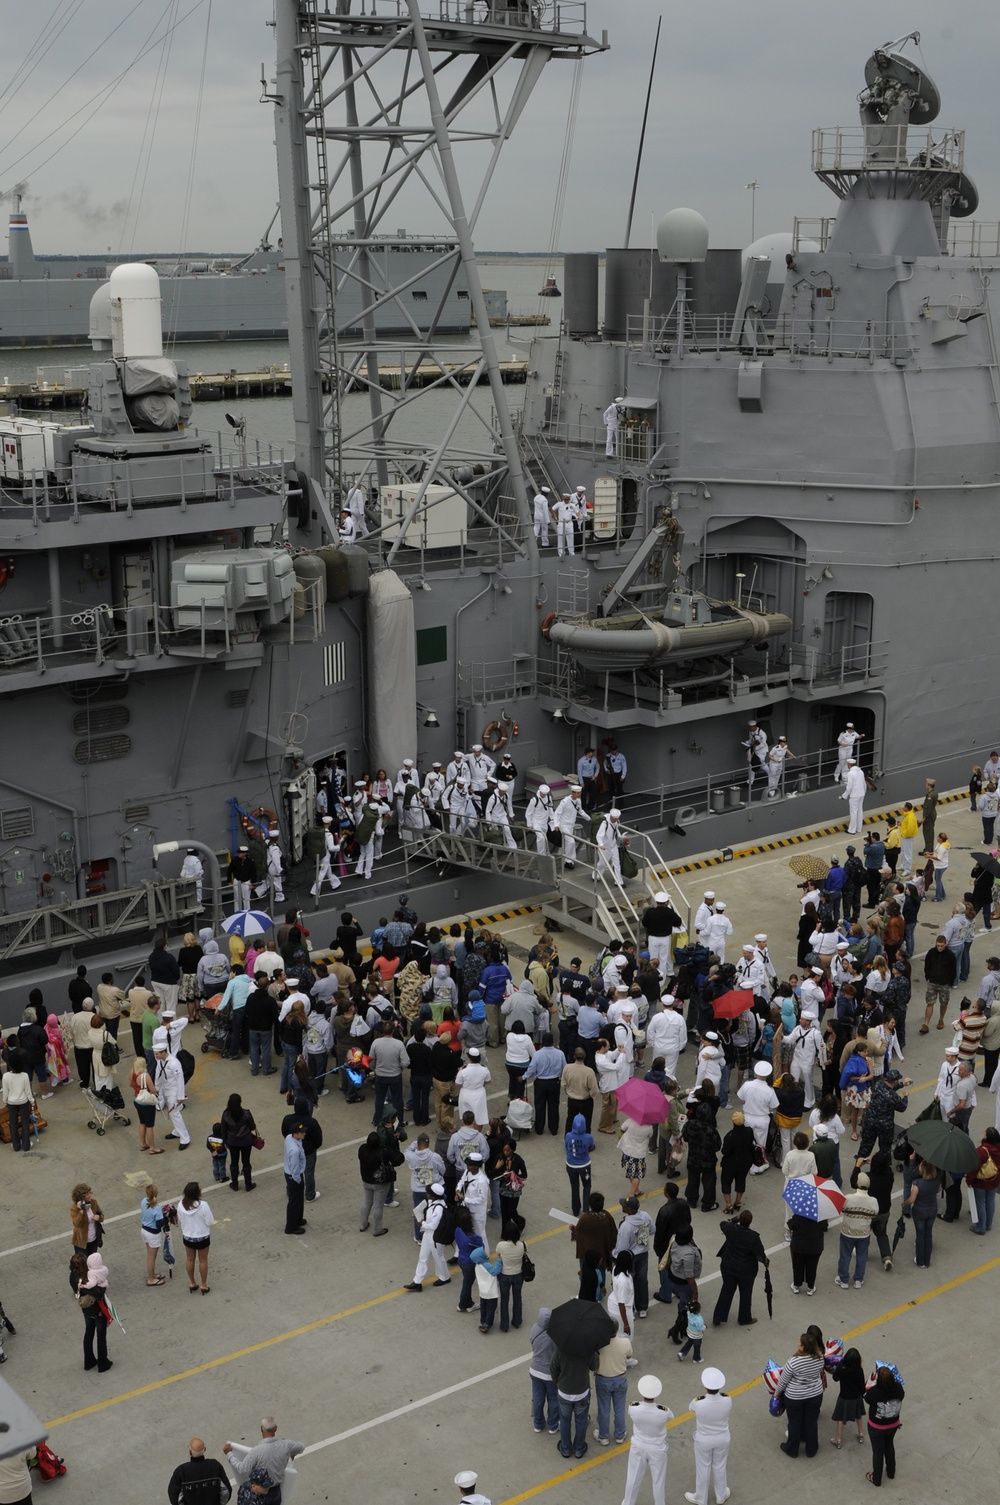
x,y
854,872
200,1481
261,1017
675,1213
940,972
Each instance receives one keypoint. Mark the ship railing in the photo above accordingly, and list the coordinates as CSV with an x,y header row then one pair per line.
x,y
637,439
901,148
840,666
973,237
564,17
145,908
818,231
819,332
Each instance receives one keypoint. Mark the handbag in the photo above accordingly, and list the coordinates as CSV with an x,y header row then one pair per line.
x,y
258,1142
527,1267
145,1098
110,1054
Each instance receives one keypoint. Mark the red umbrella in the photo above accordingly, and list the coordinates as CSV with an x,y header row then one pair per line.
x,y
642,1102
733,1003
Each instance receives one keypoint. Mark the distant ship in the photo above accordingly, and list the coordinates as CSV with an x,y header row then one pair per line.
x,y
46,300
550,289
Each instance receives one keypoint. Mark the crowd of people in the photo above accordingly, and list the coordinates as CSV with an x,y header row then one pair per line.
x,y
428,1026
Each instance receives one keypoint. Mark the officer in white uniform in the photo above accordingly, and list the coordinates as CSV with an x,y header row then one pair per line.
x,y
759,1101
481,769
711,1439
564,513
704,912
191,868
717,932
756,746
498,812
776,765
473,1190
356,507
331,845
274,868
609,846
855,785
847,747
612,418
542,503
666,1033
648,1448
540,818
570,813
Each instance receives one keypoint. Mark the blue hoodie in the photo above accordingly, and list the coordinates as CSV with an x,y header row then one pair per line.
x,y
579,1144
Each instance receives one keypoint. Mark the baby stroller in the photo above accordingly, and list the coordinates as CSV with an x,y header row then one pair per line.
x,y
355,1068
6,1325
106,1105
217,1025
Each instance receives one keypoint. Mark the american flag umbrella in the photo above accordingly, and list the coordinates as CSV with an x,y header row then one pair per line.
x,y
814,1197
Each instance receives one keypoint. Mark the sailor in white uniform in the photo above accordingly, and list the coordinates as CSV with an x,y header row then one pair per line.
x,y
666,1033
807,1047
434,786
406,779
461,808
763,956
776,765
348,527
542,502
564,513
569,814
331,844
612,419
751,972
191,867
466,1482
759,1101
855,785
498,812
274,869
456,768
717,932
847,747
540,817
609,840
756,746
369,826
356,507
704,912
481,769
648,1448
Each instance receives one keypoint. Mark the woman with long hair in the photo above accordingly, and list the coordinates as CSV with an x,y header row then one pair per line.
x,y
151,1227
90,1287
801,1385
196,1219
188,958
884,1399
239,1132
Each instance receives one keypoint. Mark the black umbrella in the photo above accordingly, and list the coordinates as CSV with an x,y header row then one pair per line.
x,y
579,1327
988,861
899,1232
944,1144
769,1294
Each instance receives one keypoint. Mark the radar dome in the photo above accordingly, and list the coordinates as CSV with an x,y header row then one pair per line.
x,y
777,246
682,235
100,318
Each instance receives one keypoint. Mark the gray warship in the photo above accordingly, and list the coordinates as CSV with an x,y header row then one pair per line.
x,y
45,300
790,463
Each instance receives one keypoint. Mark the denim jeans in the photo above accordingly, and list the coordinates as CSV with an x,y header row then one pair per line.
x,y
985,1202
260,1050
543,1391
939,892
859,1248
391,1087
612,1391
487,1311
579,1180
465,1300
911,931
573,1415
963,961
289,1055
494,1211
510,1286
420,1086
803,1419
317,1063
923,1237
236,1032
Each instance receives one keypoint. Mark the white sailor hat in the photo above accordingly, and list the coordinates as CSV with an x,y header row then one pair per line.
x,y
543,789
477,747
709,893
720,904
407,762
328,820
850,726
816,971
614,814
660,898
274,833
576,788
760,936
711,1035
467,1479
762,1068
748,946
669,999
843,945
435,765
244,848
502,786
807,1014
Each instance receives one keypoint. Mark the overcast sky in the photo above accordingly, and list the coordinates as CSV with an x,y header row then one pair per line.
x,y
738,90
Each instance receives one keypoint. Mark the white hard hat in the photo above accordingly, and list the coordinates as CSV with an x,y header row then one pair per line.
x,y
660,898
649,1387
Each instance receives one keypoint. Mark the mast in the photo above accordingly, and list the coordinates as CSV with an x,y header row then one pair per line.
x,y
373,107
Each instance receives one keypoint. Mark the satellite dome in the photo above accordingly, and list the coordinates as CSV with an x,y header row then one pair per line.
x,y
100,318
682,235
777,246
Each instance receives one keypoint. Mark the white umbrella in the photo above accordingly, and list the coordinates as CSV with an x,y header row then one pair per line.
x,y
248,922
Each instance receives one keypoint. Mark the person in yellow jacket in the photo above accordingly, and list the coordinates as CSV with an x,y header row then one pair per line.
x,y
893,843
908,827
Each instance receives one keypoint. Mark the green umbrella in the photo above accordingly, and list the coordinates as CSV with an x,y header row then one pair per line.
x,y
943,1144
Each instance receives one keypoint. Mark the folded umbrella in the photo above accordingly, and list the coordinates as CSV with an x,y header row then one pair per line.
x,y
247,922
816,868
899,1232
769,1294
642,1102
814,1197
988,861
730,1005
580,1327
943,1144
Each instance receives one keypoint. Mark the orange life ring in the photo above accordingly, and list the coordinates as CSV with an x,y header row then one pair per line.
x,y
547,625
264,816
494,737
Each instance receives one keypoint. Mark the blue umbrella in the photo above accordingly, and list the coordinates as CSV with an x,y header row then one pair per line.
x,y
248,922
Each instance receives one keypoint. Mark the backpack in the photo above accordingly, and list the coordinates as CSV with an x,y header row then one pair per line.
x,y
185,1061
444,1233
110,1053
